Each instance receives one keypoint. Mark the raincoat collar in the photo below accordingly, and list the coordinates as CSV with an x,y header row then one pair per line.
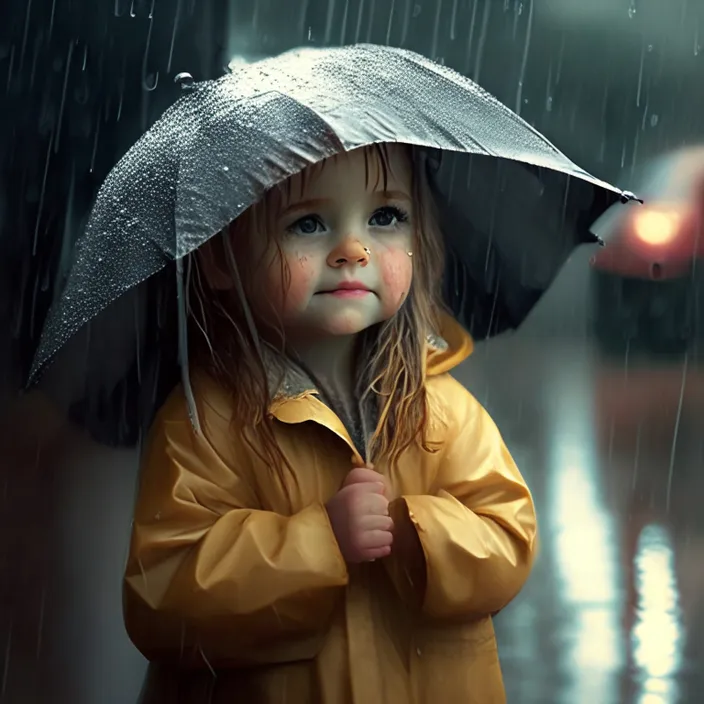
x,y
446,349
297,400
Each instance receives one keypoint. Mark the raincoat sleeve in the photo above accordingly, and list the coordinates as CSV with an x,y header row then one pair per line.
x,y
465,550
211,579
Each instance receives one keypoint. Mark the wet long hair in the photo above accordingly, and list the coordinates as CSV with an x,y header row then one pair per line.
x,y
241,353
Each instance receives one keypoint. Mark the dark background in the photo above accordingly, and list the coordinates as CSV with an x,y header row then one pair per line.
x,y
610,82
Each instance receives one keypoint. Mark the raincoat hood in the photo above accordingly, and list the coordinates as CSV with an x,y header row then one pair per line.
x,y
450,348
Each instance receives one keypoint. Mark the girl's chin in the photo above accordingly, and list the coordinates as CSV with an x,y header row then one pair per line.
x,y
337,326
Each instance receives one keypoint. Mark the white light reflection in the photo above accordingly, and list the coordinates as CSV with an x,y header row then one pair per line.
x,y
237,61
657,637
584,542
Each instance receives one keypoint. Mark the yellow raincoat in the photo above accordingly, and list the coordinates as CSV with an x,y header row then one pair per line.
x,y
238,598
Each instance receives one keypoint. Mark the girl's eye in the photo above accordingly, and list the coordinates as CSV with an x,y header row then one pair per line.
x,y
388,216
308,225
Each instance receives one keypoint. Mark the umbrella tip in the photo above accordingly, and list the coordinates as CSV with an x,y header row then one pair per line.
x,y
627,196
185,80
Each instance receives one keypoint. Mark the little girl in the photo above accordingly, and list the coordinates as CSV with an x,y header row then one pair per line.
x,y
348,518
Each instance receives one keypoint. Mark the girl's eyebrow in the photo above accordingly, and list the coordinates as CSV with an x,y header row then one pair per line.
x,y
314,203
395,195
309,204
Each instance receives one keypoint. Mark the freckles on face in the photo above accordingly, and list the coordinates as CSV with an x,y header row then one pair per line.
x,y
396,270
300,285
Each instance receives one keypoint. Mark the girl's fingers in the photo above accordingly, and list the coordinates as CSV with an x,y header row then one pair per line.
x,y
377,553
363,475
373,503
369,523
373,539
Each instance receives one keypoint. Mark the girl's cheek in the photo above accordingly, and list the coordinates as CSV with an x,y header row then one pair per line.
x,y
301,279
396,272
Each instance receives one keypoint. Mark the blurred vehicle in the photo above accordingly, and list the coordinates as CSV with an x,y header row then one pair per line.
x,y
647,282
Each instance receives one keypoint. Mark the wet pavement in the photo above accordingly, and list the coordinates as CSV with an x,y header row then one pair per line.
x,y
614,453
612,613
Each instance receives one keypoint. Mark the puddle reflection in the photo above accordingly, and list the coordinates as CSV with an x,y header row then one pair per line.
x,y
582,534
657,637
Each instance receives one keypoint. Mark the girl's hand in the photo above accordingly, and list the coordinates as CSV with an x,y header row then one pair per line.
x,y
359,515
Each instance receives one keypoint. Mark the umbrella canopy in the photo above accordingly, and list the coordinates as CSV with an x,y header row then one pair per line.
x,y
512,206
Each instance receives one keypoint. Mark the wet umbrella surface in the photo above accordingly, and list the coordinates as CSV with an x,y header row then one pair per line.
x,y
512,206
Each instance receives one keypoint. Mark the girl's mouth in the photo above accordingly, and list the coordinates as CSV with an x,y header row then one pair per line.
x,y
348,289
348,292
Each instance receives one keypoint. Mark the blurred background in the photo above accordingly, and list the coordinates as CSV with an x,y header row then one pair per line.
x,y
600,395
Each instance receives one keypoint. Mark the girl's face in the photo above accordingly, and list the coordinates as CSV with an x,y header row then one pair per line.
x,y
345,235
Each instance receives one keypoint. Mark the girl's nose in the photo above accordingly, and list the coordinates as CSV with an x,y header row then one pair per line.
x,y
349,251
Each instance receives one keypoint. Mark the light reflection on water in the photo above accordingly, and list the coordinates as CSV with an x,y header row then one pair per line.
x,y
657,636
584,544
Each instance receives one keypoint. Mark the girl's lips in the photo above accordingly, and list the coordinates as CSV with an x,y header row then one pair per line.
x,y
348,292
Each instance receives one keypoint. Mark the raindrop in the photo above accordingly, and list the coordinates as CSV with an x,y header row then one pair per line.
x,y
640,75
390,23
343,28
524,59
43,194
132,10
26,32
331,16
453,21
51,17
370,20
416,11
360,14
697,46
302,20
177,17
436,29
63,96
482,40
95,145
548,90
654,119
632,8
676,431
184,80
150,80
121,92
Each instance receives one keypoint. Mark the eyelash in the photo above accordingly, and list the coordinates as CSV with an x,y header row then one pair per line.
x,y
400,215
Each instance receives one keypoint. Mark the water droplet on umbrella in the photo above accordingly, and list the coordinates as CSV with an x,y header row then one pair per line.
x,y
185,80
